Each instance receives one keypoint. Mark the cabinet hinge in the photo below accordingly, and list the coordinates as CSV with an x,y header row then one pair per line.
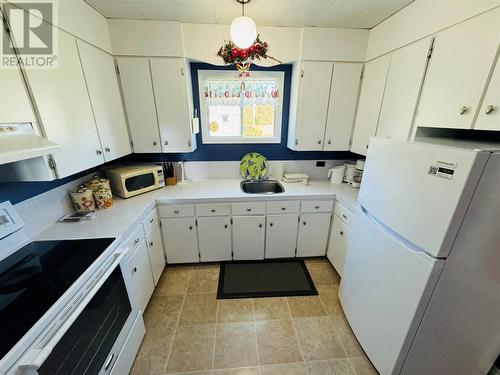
x,y
189,143
301,73
196,222
132,143
295,251
52,163
160,224
231,221
296,142
350,143
298,220
117,69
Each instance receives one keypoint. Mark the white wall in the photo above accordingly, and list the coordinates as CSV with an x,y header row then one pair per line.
x,y
332,44
420,19
200,42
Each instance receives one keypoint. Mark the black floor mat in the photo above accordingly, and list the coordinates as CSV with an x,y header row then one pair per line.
x,y
269,278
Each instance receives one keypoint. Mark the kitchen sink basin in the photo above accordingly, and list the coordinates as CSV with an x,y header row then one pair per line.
x,y
262,187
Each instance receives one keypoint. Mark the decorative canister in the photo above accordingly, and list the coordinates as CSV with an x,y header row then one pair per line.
x,y
103,199
83,200
98,183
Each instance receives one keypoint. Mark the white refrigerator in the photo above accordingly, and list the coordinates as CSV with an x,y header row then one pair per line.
x,y
421,282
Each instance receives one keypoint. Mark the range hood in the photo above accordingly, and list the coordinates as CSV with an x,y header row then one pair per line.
x,y
20,142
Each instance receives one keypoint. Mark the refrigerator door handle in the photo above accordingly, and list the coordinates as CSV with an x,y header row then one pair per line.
x,y
403,241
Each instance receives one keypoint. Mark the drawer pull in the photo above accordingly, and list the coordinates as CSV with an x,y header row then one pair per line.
x,y
316,207
151,220
191,228
489,110
176,211
271,224
283,208
344,216
151,244
136,241
341,233
213,211
260,225
249,209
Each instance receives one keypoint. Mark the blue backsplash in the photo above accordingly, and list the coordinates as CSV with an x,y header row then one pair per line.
x,y
19,191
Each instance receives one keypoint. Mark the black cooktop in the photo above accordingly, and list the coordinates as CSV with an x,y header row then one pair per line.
x,y
34,277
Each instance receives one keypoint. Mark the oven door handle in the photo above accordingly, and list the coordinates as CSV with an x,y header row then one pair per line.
x,y
34,358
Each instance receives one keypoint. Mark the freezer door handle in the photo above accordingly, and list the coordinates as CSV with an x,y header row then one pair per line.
x,y
403,241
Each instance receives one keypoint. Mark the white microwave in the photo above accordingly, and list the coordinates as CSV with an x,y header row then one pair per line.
x,y
131,180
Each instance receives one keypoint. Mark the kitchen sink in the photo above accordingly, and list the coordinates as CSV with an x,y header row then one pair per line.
x,y
262,187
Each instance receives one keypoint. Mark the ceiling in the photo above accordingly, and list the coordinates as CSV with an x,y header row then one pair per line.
x,y
363,14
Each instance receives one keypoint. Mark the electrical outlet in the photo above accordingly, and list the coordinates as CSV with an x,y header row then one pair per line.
x,y
320,163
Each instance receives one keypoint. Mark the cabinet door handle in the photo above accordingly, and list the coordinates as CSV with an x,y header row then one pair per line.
x,y
108,361
304,223
155,143
151,244
341,233
271,224
316,207
260,225
107,149
134,270
225,226
283,208
213,211
319,142
249,209
344,216
151,220
191,228
329,141
98,152
463,110
165,143
176,211
136,241
489,110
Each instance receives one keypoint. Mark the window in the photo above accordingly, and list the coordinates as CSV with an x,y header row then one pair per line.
x,y
241,110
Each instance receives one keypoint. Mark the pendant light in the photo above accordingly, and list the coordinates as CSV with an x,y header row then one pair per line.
x,y
243,28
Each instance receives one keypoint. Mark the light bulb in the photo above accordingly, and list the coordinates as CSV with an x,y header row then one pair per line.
x,y
243,31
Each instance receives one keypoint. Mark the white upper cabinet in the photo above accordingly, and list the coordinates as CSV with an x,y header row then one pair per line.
x,y
342,106
458,72
139,100
15,104
489,113
314,92
102,83
66,114
404,81
370,102
174,117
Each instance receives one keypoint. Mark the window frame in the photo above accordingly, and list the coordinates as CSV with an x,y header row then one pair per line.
x,y
278,113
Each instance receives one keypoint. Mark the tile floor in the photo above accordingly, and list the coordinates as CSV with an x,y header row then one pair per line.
x,y
189,331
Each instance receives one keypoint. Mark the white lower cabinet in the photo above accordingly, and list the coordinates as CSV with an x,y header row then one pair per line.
x,y
180,240
281,235
156,253
248,237
140,275
313,234
214,235
337,246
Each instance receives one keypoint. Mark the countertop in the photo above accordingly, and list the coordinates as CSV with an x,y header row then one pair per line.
x,y
119,220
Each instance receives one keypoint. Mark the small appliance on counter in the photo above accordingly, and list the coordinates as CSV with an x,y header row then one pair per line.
x,y
131,180
336,175
354,173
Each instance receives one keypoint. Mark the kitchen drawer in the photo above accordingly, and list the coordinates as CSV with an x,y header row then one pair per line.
x,y
150,220
179,210
250,208
343,213
316,206
135,238
283,207
213,209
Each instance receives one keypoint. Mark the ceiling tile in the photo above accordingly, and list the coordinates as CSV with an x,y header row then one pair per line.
x,y
387,6
341,19
157,11
298,18
312,4
352,6
120,9
195,14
